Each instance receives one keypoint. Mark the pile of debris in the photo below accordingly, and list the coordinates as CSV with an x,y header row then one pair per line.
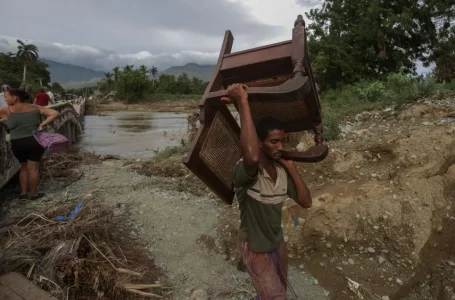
x,y
78,250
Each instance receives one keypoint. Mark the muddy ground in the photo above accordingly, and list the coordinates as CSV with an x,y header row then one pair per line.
x,y
383,205
382,215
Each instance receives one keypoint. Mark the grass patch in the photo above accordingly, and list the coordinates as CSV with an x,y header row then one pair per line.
x,y
396,90
170,151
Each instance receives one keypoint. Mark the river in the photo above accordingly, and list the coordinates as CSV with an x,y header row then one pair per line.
x,y
133,134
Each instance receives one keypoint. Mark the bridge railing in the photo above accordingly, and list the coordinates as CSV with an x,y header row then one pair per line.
x,y
8,162
67,123
69,120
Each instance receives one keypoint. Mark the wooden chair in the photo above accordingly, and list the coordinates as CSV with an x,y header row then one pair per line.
x,y
280,84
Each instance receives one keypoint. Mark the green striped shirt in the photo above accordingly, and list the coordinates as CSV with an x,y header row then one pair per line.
x,y
260,202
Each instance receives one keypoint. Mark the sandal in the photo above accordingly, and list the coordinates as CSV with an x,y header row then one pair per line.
x,y
23,197
39,195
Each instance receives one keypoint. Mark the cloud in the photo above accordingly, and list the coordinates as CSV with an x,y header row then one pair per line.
x,y
102,34
310,3
97,59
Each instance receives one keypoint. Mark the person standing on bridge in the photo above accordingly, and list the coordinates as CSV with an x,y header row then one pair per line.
x,y
22,120
42,98
2,95
51,96
263,180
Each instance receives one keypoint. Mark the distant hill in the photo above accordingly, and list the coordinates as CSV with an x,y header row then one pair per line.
x,y
203,72
66,73
72,77
80,84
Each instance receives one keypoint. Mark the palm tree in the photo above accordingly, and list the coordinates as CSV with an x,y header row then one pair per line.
x,y
154,71
143,69
128,67
108,80
27,53
116,71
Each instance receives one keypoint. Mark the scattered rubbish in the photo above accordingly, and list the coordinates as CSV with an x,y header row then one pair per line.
x,y
72,214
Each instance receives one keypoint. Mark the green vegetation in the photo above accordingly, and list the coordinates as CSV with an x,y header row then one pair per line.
x,y
351,40
363,53
27,54
13,69
133,85
170,151
395,90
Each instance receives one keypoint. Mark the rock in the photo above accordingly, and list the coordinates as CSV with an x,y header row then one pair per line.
x,y
316,282
399,281
371,250
381,260
345,263
87,197
301,147
351,261
385,298
427,124
439,229
328,245
286,239
376,227
109,163
451,263
199,295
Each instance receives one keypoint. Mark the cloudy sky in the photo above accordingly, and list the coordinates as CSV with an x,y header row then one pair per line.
x,y
101,34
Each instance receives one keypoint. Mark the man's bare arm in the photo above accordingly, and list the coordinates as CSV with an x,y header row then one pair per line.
x,y
249,141
303,198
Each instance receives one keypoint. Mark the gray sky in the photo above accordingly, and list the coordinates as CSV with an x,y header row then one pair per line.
x,y
101,34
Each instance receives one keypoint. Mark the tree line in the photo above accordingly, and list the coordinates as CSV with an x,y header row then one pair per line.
x,y
132,84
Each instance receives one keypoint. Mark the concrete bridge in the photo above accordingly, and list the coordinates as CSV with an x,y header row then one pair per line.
x,y
67,123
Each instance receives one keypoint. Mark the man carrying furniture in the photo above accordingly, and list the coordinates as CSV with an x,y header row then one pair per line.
x,y
262,182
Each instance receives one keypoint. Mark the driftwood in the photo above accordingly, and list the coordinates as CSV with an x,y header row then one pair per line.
x,y
89,255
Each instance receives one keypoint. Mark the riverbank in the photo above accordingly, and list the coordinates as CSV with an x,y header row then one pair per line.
x,y
94,108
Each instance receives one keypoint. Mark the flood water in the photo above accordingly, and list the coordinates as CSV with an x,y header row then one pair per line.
x,y
133,134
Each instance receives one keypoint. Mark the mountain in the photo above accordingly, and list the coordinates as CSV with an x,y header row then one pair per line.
x,y
203,72
66,73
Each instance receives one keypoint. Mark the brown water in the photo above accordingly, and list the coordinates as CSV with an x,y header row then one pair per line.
x,y
133,134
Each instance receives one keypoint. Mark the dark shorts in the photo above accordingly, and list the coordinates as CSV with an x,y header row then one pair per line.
x,y
27,149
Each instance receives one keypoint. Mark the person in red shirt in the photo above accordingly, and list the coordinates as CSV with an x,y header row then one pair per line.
x,y
42,98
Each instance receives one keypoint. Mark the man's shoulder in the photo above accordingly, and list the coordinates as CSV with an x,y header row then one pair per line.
x,y
241,176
